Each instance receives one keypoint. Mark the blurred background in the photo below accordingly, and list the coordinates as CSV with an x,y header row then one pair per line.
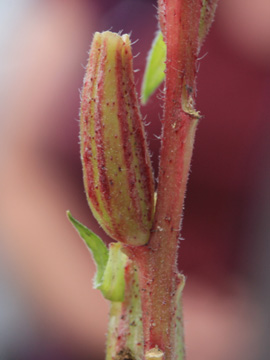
x,y
48,309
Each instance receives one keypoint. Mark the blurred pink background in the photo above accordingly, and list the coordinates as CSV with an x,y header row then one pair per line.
x,y
48,309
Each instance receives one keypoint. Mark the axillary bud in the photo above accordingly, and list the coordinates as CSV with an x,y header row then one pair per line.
x,y
117,172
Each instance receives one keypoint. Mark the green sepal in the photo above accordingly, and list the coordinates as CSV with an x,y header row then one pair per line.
x,y
113,285
155,67
97,247
110,263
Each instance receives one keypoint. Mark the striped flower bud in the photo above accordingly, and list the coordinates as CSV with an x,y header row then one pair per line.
x,y
117,172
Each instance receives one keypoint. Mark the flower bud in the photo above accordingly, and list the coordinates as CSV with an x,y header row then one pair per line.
x,y
117,171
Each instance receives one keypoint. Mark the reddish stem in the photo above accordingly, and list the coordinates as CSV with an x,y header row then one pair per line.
x,y
157,262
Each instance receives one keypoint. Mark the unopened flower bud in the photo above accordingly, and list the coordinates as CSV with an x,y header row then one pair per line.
x,y
116,165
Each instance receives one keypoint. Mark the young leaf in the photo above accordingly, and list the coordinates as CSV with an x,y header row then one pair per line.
x,y
113,285
110,276
97,247
155,67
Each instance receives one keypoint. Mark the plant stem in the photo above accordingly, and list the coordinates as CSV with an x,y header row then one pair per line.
x,y
125,335
119,183
160,283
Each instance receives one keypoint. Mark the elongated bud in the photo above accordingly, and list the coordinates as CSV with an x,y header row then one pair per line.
x,y
116,166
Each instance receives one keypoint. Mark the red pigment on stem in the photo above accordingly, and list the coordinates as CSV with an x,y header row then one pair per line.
x,y
157,261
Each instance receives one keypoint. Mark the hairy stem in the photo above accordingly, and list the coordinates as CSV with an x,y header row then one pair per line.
x,y
125,334
160,283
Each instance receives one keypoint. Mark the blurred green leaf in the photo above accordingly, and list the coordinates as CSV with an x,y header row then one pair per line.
x,y
155,67
110,263
97,247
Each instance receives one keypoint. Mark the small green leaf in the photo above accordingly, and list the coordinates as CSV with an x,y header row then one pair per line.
x,y
113,285
155,67
110,276
97,247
